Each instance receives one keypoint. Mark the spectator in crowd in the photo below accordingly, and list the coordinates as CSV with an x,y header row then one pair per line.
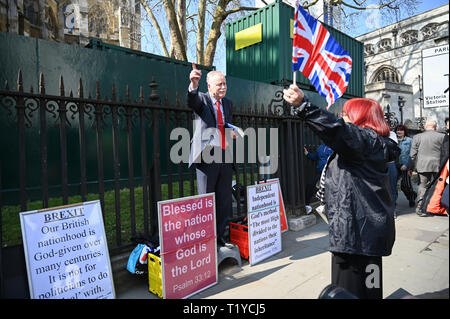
x,y
436,198
321,156
404,143
393,174
425,158
356,192
445,146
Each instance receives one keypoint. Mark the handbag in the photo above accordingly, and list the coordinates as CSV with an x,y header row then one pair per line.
x,y
406,186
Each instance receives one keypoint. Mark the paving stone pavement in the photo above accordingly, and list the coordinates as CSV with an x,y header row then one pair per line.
x,y
418,266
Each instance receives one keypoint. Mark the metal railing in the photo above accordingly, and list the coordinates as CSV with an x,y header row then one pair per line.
x,y
140,128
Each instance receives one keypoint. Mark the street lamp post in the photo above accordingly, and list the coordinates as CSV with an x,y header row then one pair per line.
x,y
401,104
390,116
421,120
387,115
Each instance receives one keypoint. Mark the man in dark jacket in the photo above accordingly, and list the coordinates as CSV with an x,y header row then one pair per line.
x,y
357,196
212,110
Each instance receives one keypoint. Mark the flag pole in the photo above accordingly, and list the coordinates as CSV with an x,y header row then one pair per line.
x,y
294,80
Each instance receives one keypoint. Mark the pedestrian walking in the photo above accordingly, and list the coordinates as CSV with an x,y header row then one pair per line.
x,y
405,143
425,159
356,189
445,144
393,173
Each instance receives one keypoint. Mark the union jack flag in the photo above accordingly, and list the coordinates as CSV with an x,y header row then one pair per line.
x,y
319,56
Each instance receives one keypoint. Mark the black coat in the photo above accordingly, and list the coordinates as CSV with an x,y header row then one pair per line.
x,y
358,202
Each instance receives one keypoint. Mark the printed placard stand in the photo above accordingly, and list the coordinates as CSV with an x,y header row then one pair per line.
x,y
264,230
283,221
187,232
66,252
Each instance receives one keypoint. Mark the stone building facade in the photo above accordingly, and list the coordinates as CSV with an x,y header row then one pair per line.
x,y
394,65
76,22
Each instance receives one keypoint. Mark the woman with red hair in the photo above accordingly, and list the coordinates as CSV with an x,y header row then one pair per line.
x,y
366,113
355,189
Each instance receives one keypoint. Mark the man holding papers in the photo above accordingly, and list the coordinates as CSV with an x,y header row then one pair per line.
x,y
209,147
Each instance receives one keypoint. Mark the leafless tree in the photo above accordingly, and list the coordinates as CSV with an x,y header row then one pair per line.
x,y
178,22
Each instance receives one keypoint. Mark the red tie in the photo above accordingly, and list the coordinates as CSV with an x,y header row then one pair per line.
x,y
221,126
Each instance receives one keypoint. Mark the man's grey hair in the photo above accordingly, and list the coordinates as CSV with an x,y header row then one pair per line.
x,y
211,74
431,123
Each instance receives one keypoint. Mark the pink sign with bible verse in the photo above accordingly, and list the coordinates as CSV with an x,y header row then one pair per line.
x,y
187,232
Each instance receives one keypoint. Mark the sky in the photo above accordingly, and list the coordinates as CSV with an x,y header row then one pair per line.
x,y
367,22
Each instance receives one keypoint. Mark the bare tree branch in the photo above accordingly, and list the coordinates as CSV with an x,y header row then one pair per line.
x,y
234,10
201,31
307,4
156,25
191,16
204,20
176,38
181,18
380,6
359,3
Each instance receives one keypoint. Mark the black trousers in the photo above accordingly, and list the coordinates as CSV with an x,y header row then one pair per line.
x,y
359,275
311,187
219,180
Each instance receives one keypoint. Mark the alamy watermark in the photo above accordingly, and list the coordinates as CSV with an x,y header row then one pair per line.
x,y
373,277
200,149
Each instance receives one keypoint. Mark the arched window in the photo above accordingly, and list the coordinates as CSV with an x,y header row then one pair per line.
x,y
369,49
386,73
430,30
31,10
409,37
98,21
384,45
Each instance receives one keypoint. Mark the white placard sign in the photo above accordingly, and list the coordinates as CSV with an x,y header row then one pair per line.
x,y
264,233
435,76
66,252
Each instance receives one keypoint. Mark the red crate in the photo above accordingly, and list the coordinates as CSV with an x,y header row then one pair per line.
x,y
239,237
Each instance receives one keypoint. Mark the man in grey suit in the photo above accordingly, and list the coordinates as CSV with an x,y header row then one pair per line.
x,y
424,158
212,111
